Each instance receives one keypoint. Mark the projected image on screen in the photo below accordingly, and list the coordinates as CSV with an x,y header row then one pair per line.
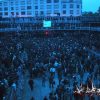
x,y
46,23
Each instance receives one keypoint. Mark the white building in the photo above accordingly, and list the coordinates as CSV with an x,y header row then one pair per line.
x,y
31,8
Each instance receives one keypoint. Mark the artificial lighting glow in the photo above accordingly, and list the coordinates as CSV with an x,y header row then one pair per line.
x,y
46,23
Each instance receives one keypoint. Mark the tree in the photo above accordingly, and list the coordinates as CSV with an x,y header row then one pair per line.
x,y
99,10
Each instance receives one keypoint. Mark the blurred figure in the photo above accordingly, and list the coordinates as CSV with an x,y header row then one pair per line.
x,y
43,80
31,83
45,98
32,98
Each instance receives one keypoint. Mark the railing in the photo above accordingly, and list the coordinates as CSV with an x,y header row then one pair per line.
x,y
51,28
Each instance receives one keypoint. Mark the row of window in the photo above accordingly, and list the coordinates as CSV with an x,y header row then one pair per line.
x,y
56,1
12,8
36,7
41,12
30,1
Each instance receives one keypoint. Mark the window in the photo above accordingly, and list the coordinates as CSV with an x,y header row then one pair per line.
x,y
48,6
41,6
6,8
5,4
71,5
16,3
71,11
6,13
12,13
78,12
12,8
64,11
78,6
0,3
36,7
56,11
36,13
64,6
29,2
22,13
12,3
29,13
71,0
48,1
22,7
0,9
0,14
41,12
17,8
22,2
56,1
41,1
48,11
29,7
36,1
17,13
56,6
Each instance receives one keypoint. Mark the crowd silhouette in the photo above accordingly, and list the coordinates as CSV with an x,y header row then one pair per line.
x,y
71,57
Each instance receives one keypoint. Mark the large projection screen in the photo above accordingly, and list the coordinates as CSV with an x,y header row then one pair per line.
x,y
46,23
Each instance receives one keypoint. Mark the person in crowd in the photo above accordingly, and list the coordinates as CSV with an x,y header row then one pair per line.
x,y
45,98
43,79
68,55
31,84
32,98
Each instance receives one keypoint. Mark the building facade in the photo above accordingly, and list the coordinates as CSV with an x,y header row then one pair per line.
x,y
32,8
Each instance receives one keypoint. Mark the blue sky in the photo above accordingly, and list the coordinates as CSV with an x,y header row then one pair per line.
x,y
91,5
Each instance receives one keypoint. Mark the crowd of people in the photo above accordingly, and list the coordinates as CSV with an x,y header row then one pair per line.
x,y
72,57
